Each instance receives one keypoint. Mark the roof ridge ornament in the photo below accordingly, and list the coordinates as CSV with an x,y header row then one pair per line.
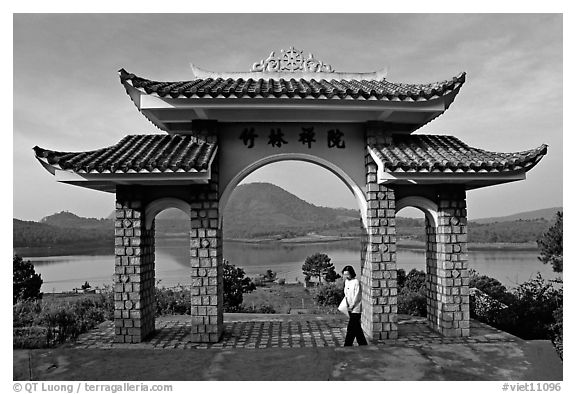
x,y
291,60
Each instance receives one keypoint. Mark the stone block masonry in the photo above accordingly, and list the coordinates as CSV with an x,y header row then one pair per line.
x,y
134,300
447,279
207,291
378,267
452,317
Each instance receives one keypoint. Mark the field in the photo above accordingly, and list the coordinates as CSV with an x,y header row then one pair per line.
x,y
288,298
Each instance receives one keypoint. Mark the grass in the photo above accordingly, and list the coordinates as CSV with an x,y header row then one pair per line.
x,y
288,298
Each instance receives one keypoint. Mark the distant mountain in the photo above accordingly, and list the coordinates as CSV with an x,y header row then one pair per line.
x,y
34,234
548,214
263,210
266,209
69,220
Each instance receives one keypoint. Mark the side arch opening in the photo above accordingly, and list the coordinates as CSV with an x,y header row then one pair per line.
x,y
157,206
431,284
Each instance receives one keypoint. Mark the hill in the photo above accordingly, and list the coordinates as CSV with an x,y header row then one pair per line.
x,y
34,234
69,220
548,214
263,210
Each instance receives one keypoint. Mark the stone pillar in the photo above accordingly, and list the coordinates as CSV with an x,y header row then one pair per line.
x,y
433,277
207,291
378,274
134,302
453,316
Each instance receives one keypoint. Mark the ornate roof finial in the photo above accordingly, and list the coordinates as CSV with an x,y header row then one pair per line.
x,y
291,60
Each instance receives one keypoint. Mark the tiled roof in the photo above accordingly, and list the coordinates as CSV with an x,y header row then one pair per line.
x,y
445,154
137,154
294,88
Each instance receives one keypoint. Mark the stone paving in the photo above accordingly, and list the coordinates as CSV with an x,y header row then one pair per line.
x,y
281,331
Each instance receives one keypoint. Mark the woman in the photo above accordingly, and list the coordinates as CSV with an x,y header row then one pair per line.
x,y
353,295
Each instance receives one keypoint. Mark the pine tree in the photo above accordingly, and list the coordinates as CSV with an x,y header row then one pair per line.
x,y
550,245
317,265
235,285
26,282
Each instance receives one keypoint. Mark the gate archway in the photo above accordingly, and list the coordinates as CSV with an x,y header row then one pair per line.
x,y
354,188
221,125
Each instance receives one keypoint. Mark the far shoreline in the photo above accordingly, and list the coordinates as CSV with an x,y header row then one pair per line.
x,y
403,244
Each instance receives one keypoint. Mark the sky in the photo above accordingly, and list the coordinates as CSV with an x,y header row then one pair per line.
x,y
67,95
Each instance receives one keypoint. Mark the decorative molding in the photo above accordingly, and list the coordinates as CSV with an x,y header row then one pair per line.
x,y
291,60
200,73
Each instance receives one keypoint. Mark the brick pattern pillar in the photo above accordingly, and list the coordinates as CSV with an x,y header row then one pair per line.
x,y
206,261
134,302
378,275
433,277
454,311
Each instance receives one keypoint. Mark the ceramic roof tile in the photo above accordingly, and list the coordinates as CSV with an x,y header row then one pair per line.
x,y
294,88
137,153
439,153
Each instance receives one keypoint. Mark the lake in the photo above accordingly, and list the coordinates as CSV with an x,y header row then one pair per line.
x,y
63,273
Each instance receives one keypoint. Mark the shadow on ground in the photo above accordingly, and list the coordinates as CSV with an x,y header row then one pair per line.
x,y
285,347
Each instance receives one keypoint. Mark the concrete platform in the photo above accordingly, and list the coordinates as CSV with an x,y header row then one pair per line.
x,y
289,347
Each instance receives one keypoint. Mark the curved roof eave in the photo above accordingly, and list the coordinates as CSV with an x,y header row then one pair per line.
x,y
280,88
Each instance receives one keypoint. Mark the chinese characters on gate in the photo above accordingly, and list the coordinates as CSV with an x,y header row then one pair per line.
x,y
335,138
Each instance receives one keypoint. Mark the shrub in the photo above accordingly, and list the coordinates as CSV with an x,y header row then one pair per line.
x,y
265,308
484,307
530,312
41,323
26,313
107,299
329,294
269,276
412,303
26,282
400,278
492,287
175,301
61,322
415,280
412,292
33,337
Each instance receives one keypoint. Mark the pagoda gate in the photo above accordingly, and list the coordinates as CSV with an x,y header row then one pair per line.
x,y
219,127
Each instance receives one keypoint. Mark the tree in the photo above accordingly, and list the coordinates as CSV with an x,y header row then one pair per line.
x,y
26,282
317,265
86,286
235,285
550,245
490,286
331,275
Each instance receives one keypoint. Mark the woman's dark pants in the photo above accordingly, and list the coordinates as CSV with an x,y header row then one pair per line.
x,y
354,330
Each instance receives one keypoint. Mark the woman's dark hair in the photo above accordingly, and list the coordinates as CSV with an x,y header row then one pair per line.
x,y
350,270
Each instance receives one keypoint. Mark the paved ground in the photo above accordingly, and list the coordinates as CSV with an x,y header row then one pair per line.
x,y
289,347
